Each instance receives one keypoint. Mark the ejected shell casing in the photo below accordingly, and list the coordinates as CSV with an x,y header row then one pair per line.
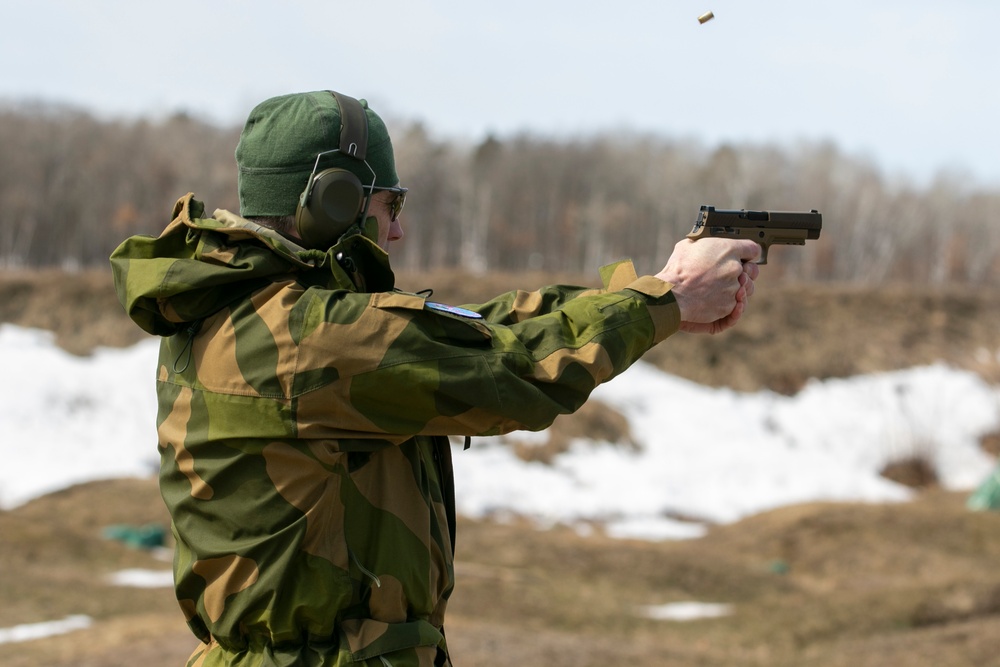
x,y
706,17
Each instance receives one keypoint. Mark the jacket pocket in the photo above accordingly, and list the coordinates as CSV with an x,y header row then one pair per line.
x,y
437,320
368,639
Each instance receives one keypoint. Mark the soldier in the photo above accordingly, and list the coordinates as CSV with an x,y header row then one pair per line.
x,y
305,404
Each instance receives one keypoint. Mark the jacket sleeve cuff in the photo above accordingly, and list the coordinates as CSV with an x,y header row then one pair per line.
x,y
663,309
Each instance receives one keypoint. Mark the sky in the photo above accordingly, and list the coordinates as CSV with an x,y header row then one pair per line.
x,y
909,85
713,455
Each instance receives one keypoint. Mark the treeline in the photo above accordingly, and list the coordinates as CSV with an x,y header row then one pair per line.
x,y
72,186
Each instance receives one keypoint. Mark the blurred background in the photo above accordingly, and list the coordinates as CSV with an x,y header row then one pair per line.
x,y
539,141
544,137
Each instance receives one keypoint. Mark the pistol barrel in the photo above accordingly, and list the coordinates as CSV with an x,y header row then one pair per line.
x,y
764,227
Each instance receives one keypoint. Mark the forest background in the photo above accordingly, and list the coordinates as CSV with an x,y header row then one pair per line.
x,y
73,186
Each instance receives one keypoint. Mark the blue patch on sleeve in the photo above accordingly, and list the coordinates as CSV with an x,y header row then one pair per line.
x,y
454,310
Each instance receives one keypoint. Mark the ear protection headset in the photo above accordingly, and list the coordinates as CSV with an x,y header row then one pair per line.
x,y
333,198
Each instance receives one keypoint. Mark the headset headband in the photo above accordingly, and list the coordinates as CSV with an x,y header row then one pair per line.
x,y
353,126
334,199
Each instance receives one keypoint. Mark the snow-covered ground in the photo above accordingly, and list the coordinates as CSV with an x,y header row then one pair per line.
x,y
712,455
31,631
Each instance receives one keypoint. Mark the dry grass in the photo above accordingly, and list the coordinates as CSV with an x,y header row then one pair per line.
x,y
80,307
790,334
821,585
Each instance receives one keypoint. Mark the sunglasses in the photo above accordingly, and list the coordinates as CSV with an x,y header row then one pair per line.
x,y
396,203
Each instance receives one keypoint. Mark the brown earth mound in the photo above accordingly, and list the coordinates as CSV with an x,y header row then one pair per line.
x,y
819,585
789,335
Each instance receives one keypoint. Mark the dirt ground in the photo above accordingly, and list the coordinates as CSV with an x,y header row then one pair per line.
x,y
831,585
818,585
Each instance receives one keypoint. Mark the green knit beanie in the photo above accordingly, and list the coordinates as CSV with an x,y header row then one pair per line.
x,y
279,144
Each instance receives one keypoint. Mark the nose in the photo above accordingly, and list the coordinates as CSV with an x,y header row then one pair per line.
x,y
395,230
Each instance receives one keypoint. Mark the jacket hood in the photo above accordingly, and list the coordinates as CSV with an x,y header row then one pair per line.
x,y
198,265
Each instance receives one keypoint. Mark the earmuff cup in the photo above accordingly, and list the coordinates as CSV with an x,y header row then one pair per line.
x,y
333,202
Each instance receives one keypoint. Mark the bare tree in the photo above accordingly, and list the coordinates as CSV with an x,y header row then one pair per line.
x,y
72,187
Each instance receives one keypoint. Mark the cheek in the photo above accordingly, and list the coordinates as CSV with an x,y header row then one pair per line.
x,y
384,232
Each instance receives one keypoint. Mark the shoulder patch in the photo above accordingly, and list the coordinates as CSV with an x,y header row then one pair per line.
x,y
454,310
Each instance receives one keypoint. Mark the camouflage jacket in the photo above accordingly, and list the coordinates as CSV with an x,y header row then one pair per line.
x,y
302,426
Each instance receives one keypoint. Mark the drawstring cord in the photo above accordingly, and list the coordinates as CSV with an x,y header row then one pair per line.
x,y
371,575
185,352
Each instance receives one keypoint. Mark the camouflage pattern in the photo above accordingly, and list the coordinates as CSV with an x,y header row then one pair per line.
x,y
302,427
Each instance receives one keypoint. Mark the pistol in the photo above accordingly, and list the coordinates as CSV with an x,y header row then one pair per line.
x,y
764,227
